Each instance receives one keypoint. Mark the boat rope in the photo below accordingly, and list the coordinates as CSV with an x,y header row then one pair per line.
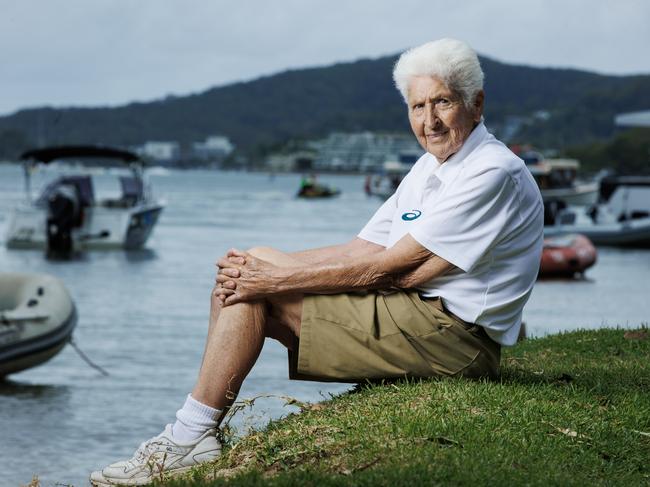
x,y
85,358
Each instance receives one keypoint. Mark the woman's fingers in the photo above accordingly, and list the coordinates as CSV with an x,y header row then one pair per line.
x,y
229,272
237,253
232,299
225,264
226,284
221,279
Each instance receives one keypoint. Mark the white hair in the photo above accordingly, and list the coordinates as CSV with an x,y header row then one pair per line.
x,y
452,61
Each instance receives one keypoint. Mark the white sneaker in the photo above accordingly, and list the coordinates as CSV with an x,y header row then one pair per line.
x,y
159,458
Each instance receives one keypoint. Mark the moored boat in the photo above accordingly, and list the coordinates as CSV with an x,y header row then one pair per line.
x,y
37,318
622,219
318,191
384,183
310,188
567,255
67,216
557,181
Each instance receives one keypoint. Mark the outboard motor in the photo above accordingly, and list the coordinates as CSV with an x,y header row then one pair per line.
x,y
552,209
63,214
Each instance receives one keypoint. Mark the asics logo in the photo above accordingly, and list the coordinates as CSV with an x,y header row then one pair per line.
x,y
411,215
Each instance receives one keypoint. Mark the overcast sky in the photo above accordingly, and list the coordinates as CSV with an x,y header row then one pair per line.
x,y
109,52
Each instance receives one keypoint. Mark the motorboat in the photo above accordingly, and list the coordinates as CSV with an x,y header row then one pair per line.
x,y
621,219
627,196
567,255
557,181
67,216
384,183
318,191
310,188
602,226
37,318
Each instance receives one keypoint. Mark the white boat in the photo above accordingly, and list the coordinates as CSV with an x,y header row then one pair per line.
x,y
557,181
627,196
37,317
384,183
623,219
67,216
628,233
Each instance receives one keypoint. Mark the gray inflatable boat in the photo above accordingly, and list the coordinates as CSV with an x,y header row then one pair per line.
x,y
37,317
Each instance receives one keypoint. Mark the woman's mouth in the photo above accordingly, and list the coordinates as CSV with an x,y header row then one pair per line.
x,y
436,135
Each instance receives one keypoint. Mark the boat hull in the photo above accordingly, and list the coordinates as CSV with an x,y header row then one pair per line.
x,y
578,195
566,255
102,228
37,318
632,233
318,192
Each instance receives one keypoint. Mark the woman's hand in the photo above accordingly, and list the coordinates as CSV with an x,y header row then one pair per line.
x,y
242,277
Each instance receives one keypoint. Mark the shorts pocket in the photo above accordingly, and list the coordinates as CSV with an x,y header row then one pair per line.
x,y
414,317
444,351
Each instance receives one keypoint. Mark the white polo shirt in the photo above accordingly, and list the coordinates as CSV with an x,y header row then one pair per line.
x,y
481,211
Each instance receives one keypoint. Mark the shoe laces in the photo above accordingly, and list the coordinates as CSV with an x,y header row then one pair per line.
x,y
144,452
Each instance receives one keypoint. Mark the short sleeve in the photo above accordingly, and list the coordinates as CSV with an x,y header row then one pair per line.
x,y
378,227
468,219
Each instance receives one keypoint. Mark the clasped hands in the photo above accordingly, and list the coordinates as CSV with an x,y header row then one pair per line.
x,y
242,277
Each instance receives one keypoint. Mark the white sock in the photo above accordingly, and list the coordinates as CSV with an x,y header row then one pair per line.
x,y
194,419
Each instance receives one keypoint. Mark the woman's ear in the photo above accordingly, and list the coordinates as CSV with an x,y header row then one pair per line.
x,y
478,106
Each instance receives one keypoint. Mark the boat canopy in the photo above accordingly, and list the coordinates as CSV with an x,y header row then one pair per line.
x,y
49,154
609,184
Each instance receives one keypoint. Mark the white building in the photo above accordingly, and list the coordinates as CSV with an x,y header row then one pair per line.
x,y
633,119
365,151
214,147
160,151
295,161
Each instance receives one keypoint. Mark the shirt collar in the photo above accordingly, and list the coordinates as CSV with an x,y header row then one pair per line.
x,y
447,170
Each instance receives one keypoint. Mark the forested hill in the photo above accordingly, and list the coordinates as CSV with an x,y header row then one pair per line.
x,y
550,107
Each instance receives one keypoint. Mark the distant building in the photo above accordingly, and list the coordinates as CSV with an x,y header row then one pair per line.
x,y
365,151
214,148
161,152
294,161
633,119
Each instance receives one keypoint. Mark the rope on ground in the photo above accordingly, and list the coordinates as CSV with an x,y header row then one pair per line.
x,y
85,358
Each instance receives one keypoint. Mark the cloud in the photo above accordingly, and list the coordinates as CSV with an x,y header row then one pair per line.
x,y
75,52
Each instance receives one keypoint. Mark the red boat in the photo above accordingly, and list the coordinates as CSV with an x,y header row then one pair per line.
x,y
567,255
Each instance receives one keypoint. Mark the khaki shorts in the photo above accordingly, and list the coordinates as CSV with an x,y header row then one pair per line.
x,y
353,337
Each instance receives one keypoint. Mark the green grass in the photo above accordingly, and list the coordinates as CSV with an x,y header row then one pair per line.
x,y
570,409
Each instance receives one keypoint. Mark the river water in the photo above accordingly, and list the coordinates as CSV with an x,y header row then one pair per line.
x,y
143,316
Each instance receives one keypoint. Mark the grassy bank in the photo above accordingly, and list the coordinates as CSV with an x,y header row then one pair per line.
x,y
571,409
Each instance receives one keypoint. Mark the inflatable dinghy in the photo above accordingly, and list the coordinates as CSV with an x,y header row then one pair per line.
x,y
37,317
567,255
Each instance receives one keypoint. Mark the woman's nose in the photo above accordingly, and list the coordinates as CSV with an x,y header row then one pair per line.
x,y
431,118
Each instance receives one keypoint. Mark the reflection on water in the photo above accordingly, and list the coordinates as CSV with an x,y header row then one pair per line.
x,y
140,255
578,278
27,390
143,317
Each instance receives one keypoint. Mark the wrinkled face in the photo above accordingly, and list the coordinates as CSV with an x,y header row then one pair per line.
x,y
439,118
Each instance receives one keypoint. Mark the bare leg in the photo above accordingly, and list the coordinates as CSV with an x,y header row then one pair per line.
x,y
236,336
234,343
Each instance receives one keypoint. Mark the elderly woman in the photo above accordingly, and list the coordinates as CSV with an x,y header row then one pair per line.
x,y
432,286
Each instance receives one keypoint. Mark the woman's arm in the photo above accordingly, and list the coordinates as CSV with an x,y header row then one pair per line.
x,y
396,266
351,249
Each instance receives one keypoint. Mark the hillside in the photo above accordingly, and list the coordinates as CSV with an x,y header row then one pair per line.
x,y
578,107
